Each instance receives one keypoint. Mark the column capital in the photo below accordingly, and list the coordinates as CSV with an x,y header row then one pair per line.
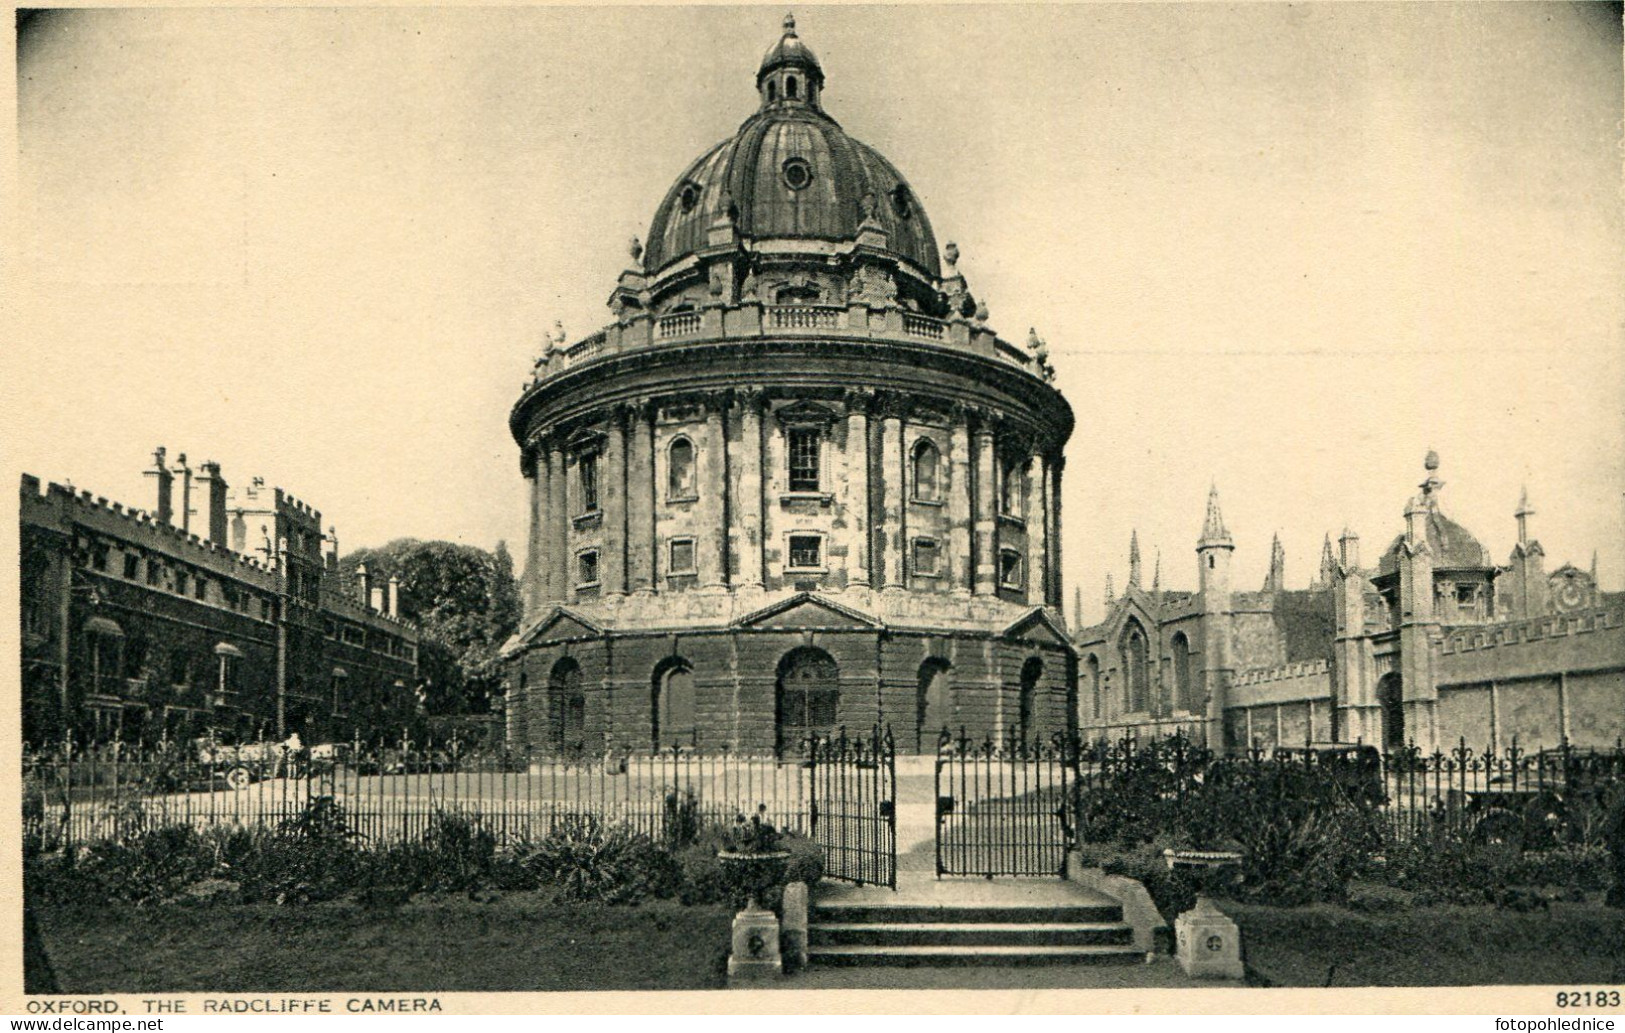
x,y
749,399
859,400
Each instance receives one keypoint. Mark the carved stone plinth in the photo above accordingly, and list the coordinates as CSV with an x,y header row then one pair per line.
x,y
1207,943
755,953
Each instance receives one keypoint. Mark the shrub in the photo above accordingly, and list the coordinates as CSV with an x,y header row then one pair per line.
x,y
706,880
586,860
311,857
680,819
149,867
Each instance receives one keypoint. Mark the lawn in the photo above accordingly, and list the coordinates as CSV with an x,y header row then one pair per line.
x,y
1323,945
523,941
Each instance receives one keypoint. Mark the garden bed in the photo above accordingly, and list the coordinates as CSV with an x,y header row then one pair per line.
x,y
521,941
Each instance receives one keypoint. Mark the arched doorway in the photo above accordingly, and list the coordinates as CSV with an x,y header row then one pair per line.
x,y
1180,647
671,704
807,696
567,708
931,704
1391,698
1031,672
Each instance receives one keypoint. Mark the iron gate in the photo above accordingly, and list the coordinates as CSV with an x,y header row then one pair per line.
x,y
853,805
1004,805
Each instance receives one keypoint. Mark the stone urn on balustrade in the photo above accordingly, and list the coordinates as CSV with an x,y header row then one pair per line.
x,y
1207,943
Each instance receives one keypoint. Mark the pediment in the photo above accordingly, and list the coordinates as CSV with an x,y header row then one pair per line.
x,y
1039,626
809,612
560,624
805,413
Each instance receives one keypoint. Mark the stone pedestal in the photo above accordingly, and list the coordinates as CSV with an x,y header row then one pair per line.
x,y
795,926
1207,943
755,946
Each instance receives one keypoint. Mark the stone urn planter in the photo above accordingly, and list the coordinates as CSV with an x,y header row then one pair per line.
x,y
754,857
1207,943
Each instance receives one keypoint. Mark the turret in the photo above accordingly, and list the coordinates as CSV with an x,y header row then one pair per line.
x,y
1529,589
1213,552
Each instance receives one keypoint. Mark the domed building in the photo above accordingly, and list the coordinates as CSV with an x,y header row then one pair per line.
x,y
798,483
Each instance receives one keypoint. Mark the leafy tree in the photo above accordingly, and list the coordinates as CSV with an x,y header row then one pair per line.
x,y
465,603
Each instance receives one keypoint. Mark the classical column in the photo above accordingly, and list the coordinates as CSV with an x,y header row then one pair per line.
x,y
612,568
857,488
749,503
640,500
558,510
959,504
893,534
1037,512
713,536
537,572
987,564
1052,529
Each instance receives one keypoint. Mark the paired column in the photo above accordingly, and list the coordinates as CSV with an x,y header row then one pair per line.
x,y
857,489
1037,513
959,505
750,489
535,549
713,533
613,562
558,520
640,500
895,536
1054,464
987,563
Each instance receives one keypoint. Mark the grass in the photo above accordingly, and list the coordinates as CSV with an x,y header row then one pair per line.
x,y
523,941
1324,945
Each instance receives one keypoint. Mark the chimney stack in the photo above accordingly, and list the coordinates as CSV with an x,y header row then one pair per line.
x,y
215,490
166,480
332,548
362,585
186,492
378,600
394,596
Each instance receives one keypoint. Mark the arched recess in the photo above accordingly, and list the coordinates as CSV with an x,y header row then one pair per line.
x,y
1184,696
1032,672
927,471
566,708
807,696
1091,674
1136,667
1391,698
672,719
680,477
932,703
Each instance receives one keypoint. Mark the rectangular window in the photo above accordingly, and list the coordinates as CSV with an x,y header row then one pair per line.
x,y
201,589
926,557
98,557
131,566
806,552
587,465
155,571
681,556
181,582
265,609
1010,489
1010,568
804,448
587,567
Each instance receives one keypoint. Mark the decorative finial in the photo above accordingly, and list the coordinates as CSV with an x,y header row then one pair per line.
x,y
635,248
1032,339
1432,460
789,24
951,253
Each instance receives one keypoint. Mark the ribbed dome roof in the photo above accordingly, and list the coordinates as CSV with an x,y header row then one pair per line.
x,y
790,172
1452,545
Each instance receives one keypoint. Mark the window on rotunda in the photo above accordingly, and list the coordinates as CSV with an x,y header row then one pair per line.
x,y
805,444
1010,485
927,472
806,552
587,481
680,482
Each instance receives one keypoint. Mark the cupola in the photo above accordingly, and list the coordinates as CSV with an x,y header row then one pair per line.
x,y
790,75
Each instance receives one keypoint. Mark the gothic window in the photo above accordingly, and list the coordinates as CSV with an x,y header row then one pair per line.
x,y
1184,697
927,558
680,556
1135,663
927,471
1091,668
806,552
805,444
1010,568
680,482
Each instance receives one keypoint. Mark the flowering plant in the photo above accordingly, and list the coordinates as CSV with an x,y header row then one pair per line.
x,y
754,836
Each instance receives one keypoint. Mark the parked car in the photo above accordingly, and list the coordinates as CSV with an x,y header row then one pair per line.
x,y
1532,804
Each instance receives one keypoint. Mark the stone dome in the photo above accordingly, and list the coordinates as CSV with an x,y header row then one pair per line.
x,y
790,173
1452,545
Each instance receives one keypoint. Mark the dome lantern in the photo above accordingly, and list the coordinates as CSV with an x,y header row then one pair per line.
x,y
790,75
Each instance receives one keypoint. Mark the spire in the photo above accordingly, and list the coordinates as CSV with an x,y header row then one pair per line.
x,y
1156,572
1111,593
1328,562
1275,581
1077,607
1593,568
1523,514
1213,531
1134,558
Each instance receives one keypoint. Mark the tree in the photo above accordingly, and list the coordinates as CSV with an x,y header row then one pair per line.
x,y
465,604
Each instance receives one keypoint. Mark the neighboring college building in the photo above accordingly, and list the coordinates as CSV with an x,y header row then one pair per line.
x,y
1434,645
798,484
136,628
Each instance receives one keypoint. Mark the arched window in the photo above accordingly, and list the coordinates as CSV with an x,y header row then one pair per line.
x,y
680,482
808,696
790,88
772,92
1136,669
566,708
671,705
1091,668
1184,696
1031,672
927,471
931,703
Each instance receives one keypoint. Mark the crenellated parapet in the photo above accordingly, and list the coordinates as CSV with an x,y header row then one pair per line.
x,y
1281,672
1533,631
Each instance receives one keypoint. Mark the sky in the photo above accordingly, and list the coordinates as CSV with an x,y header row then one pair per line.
x,y
1283,249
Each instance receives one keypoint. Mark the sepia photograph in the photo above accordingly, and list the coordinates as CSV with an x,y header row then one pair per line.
x,y
1119,502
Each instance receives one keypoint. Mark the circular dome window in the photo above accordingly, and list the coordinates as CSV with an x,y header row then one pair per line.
x,y
689,196
901,203
797,173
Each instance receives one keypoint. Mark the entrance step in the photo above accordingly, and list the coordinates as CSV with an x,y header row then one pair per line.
x,y
902,933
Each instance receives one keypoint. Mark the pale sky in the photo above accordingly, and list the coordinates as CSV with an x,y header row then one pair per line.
x,y
1285,248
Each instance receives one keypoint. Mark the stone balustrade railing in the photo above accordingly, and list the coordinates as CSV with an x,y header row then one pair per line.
x,y
754,320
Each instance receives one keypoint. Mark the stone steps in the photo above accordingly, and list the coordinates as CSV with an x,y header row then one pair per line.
x,y
993,934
